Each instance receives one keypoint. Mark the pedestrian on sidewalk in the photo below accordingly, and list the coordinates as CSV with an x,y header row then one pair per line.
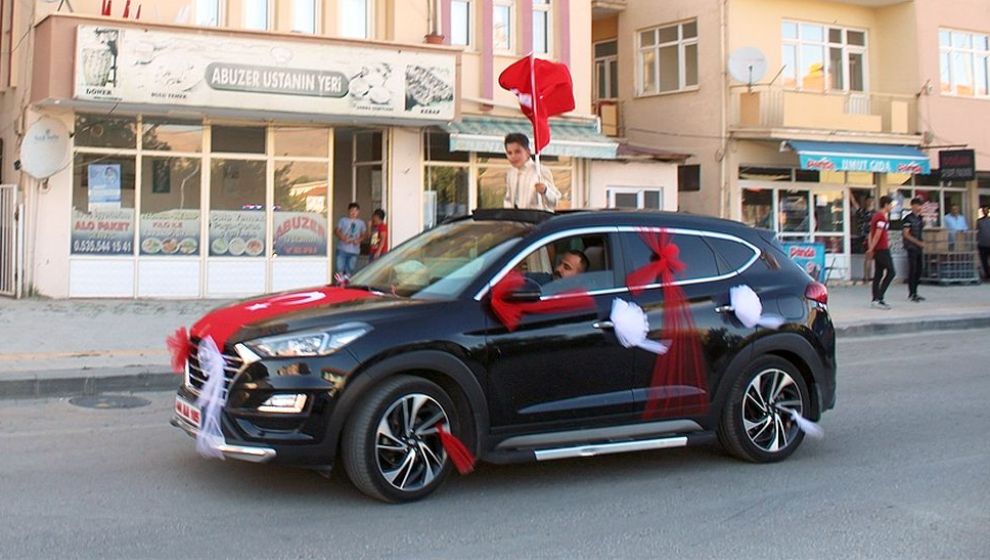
x,y
379,235
912,225
864,216
879,250
350,233
956,224
983,240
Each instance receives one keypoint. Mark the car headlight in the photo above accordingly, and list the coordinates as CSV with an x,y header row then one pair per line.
x,y
309,343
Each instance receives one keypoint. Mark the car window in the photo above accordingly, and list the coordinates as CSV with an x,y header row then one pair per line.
x,y
441,262
734,254
697,256
581,262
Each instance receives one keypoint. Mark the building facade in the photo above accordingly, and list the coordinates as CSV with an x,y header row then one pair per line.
x,y
207,148
794,112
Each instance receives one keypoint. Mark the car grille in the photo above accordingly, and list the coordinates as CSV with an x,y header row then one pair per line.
x,y
196,377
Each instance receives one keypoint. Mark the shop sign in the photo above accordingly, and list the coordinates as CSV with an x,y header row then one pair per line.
x,y
103,232
104,186
300,233
809,256
957,165
130,65
237,233
173,232
862,163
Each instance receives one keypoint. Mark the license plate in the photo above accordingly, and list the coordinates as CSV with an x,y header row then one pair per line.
x,y
187,411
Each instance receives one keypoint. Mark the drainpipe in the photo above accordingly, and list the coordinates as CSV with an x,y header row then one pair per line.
x,y
435,36
726,194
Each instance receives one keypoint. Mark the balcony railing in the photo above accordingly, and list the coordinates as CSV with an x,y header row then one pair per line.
x,y
770,107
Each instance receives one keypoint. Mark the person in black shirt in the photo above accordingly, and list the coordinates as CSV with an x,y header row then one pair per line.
x,y
913,224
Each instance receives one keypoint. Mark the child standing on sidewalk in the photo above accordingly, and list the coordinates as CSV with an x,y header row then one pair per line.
x,y
879,249
379,235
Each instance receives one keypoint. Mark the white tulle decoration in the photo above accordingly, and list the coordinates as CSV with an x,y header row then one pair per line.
x,y
211,400
749,309
810,429
631,327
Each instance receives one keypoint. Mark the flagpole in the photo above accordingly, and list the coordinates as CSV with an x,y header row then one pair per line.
x,y
532,88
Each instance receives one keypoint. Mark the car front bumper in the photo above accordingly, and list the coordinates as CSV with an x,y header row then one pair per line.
x,y
249,453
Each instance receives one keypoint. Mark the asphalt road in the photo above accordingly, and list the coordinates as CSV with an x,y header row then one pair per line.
x,y
903,472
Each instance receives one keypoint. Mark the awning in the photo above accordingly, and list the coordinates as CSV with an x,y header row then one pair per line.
x,y
853,156
573,138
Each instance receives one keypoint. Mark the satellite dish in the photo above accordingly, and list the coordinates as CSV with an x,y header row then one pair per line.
x,y
45,149
747,65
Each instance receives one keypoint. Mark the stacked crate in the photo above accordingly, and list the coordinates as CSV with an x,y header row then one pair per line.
x,y
950,258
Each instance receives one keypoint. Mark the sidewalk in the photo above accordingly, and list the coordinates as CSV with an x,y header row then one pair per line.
x,y
62,347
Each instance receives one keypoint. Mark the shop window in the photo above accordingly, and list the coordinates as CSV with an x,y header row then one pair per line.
x,y
171,136
460,22
491,186
542,25
446,194
237,208
689,178
238,139
257,14
829,214
502,25
170,209
367,146
635,198
792,214
304,16
757,208
100,131
807,176
301,141
668,58
300,213
355,19
103,204
437,148
697,256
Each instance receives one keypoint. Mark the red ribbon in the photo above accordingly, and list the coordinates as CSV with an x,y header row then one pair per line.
x,y
509,312
179,348
459,454
226,321
678,386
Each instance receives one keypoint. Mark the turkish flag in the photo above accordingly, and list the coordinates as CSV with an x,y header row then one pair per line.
x,y
544,89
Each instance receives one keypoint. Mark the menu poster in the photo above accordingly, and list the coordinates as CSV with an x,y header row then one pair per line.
x,y
237,233
104,186
173,232
103,232
300,233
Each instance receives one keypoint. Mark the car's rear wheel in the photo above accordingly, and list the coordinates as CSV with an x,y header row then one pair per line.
x,y
756,423
391,448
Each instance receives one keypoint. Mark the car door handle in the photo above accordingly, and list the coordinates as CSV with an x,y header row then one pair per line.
x,y
603,325
724,309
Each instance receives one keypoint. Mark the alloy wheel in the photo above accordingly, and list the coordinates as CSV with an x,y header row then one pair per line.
x,y
767,403
407,447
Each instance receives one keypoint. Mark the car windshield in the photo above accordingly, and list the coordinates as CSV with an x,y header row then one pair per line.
x,y
440,263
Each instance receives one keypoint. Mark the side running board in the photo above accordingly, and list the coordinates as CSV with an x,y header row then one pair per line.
x,y
591,450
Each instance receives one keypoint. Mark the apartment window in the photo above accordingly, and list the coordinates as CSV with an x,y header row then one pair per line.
x,y
606,70
635,198
963,60
304,16
355,19
256,14
668,58
460,22
502,25
823,58
541,26
208,13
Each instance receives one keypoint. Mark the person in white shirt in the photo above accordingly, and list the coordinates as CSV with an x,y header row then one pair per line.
x,y
524,186
955,223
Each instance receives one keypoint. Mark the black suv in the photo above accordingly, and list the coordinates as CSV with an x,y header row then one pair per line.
x,y
370,379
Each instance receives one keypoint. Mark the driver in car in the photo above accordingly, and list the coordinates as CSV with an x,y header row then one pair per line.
x,y
572,263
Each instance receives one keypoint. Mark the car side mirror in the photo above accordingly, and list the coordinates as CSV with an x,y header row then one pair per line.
x,y
529,291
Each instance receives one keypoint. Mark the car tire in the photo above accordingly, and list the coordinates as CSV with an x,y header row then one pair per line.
x,y
752,426
390,448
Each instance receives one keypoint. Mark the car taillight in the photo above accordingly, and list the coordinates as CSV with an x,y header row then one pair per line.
x,y
816,291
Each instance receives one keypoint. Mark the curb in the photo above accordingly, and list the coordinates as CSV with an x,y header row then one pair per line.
x,y
85,383
906,327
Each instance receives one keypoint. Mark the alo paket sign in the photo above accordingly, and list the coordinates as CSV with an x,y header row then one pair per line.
x,y
130,65
957,165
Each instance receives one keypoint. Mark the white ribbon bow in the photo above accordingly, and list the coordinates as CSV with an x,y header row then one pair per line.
x,y
211,399
749,309
631,327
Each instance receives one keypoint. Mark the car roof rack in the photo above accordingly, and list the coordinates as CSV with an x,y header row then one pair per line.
x,y
511,214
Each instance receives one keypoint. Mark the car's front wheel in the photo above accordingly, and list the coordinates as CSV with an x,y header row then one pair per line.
x,y
391,448
756,423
